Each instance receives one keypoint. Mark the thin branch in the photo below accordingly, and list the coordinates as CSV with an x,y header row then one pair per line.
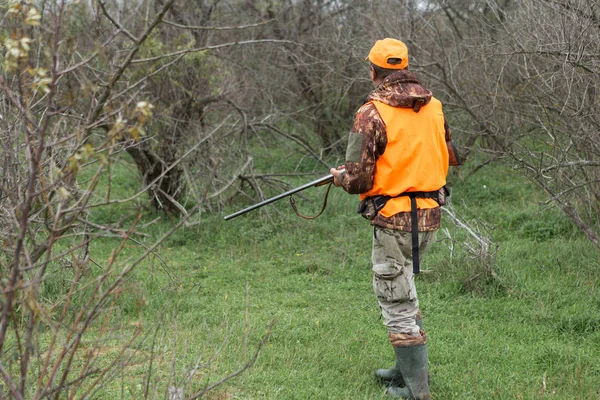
x,y
295,139
128,61
214,47
218,28
232,181
241,370
119,232
580,163
115,23
146,77
8,381
173,201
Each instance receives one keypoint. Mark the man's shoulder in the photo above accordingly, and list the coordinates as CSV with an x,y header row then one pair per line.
x,y
367,113
435,100
367,107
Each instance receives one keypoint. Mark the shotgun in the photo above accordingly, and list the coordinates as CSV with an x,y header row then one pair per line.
x,y
319,182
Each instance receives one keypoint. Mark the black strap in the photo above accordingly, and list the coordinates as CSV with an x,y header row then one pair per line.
x,y
414,223
414,227
380,201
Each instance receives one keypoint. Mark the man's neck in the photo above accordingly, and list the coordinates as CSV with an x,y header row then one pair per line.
x,y
377,82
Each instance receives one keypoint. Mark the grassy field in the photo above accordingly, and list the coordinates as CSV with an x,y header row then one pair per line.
x,y
529,330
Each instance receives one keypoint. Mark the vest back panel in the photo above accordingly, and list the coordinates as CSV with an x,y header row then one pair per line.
x,y
415,158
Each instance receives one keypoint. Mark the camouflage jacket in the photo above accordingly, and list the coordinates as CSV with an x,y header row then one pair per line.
x,y
368,139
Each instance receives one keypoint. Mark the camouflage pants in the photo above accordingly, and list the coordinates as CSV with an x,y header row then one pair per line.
x,y
393,279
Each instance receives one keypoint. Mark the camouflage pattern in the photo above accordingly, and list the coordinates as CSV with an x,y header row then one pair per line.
x,y
400,89
359,175
429,220
404,340
393,279
419,316
448,136
453,153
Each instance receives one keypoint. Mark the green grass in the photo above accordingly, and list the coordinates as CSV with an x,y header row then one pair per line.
x,y
532,331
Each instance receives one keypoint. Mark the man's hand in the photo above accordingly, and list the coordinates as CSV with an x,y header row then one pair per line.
x,y
338,175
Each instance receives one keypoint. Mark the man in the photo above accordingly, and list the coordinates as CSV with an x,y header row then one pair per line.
x,y
397,160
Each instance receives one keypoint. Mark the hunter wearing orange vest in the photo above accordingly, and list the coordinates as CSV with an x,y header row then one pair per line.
x,y
397,159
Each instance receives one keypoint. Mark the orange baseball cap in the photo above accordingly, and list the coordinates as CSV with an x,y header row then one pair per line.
x,y
389,53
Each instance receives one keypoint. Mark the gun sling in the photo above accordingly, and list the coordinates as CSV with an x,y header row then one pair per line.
x,y
295,208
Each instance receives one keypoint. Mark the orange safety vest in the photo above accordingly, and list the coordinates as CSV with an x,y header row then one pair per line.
x,y
415,157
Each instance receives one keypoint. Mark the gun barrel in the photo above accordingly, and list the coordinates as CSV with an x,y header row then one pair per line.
x,y
318,182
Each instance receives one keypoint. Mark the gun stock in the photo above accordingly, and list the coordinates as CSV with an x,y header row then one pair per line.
x,y
319,182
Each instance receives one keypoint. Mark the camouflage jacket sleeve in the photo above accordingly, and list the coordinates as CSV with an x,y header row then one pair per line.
x,y
453,156
447,130
366,142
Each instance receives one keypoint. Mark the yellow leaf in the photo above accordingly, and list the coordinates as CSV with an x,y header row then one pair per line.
x,y
63,193
33,17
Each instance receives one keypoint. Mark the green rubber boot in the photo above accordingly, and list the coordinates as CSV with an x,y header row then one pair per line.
x,y
414,369
393,376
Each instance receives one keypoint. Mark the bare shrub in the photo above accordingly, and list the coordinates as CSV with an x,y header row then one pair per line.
x,y
473,254
72,103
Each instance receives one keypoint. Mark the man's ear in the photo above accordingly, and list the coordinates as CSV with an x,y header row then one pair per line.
x,y
372,73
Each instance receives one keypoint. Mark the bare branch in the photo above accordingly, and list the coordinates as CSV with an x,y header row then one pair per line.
x,y
115,23
249,364
213,47
218,28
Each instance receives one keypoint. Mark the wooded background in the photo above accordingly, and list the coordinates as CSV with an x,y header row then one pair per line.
x,y
197,92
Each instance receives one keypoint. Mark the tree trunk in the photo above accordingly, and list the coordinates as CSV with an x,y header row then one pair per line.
x,y
166,189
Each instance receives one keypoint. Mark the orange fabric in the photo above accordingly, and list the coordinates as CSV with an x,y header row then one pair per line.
x,y
415,158
383,50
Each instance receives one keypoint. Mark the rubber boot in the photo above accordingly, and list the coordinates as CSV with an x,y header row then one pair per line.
x,y
393,376
414,369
